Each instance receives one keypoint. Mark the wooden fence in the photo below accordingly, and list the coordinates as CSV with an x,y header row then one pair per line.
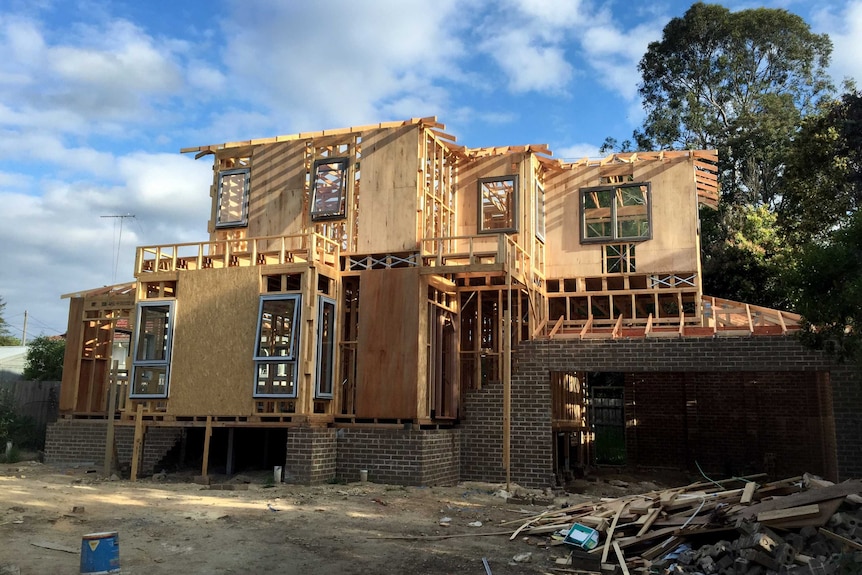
x,y
35,399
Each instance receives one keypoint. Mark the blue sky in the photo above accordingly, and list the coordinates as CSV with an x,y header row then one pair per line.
x,y
97,98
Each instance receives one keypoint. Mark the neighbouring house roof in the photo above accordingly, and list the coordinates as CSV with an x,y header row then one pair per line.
x,y
13,358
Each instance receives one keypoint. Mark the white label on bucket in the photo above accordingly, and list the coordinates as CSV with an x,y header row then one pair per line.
x,y
93,544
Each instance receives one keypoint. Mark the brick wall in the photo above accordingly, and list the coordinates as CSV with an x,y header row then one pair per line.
x,y
731,423
734,382
400,456
310,455
78,441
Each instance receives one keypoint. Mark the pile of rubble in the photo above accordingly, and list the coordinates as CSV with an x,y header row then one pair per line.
x,y
800,525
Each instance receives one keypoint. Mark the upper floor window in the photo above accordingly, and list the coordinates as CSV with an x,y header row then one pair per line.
x,y
151,363
540,212
616,212
232,198
329,196
277,342
498,200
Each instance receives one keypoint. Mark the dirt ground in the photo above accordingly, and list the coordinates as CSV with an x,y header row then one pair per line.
x,y
171,525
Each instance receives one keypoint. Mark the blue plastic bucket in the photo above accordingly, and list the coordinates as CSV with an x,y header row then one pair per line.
x,y
100,553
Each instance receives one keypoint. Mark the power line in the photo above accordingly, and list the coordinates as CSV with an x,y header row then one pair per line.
x,y
119,237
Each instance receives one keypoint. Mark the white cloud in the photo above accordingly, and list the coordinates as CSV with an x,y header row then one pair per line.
x,y
576,152
844,27
338,63
529,65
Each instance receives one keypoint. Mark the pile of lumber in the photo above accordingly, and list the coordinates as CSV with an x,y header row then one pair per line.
x,y
736,526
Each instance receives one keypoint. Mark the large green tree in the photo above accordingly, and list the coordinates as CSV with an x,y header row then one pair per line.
x,y
740,82
45,359
822,182
822,193
6,337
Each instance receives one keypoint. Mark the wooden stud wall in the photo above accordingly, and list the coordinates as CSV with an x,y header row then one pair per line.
x,y
673,246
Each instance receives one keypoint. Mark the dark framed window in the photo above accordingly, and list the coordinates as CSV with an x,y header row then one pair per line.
x,y
232,210
540,212
152,349
498,201
329,193
617,212
275,349
326,330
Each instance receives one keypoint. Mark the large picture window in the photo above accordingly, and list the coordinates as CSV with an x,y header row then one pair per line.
x,y
498,200
275,349
151,363
326,331
232,198
329,195
618,212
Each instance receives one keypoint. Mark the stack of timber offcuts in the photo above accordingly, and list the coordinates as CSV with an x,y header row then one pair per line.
x,y
797,526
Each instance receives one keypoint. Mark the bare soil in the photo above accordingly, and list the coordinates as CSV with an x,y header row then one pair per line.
x,y
171,525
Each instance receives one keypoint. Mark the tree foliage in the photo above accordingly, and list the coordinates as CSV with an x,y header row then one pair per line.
x,y
45,359
736,81
6,338
828,288
742,83
822,184
822,196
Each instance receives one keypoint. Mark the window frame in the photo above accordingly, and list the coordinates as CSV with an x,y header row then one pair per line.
x,y
341,213
243,221
512,206
319,392
539,213
141,364
614,238
272,361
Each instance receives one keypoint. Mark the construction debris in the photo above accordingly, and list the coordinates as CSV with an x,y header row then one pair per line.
x,y
800,525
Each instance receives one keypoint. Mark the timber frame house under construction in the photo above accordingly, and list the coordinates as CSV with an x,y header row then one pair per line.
x,y
376,282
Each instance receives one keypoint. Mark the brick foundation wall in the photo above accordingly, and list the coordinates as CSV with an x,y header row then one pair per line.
x,y
77,441
400,456
736,378
310,455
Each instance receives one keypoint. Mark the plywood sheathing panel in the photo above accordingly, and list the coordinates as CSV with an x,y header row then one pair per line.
x,y
277,204
387,346
673,246
388,202
212,372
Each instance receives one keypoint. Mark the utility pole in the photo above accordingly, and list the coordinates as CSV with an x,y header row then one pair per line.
x,y
119,239
24,334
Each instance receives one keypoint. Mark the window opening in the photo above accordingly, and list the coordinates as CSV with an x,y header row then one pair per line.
x,y
540,212
619,259
326,330
330,189
275,350
150,367
618,212
232,198
498,198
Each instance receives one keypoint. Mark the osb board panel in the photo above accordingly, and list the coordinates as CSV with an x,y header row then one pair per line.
x,y
388,342
468,188
276,204
72,357
673,246
389,172
212,372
